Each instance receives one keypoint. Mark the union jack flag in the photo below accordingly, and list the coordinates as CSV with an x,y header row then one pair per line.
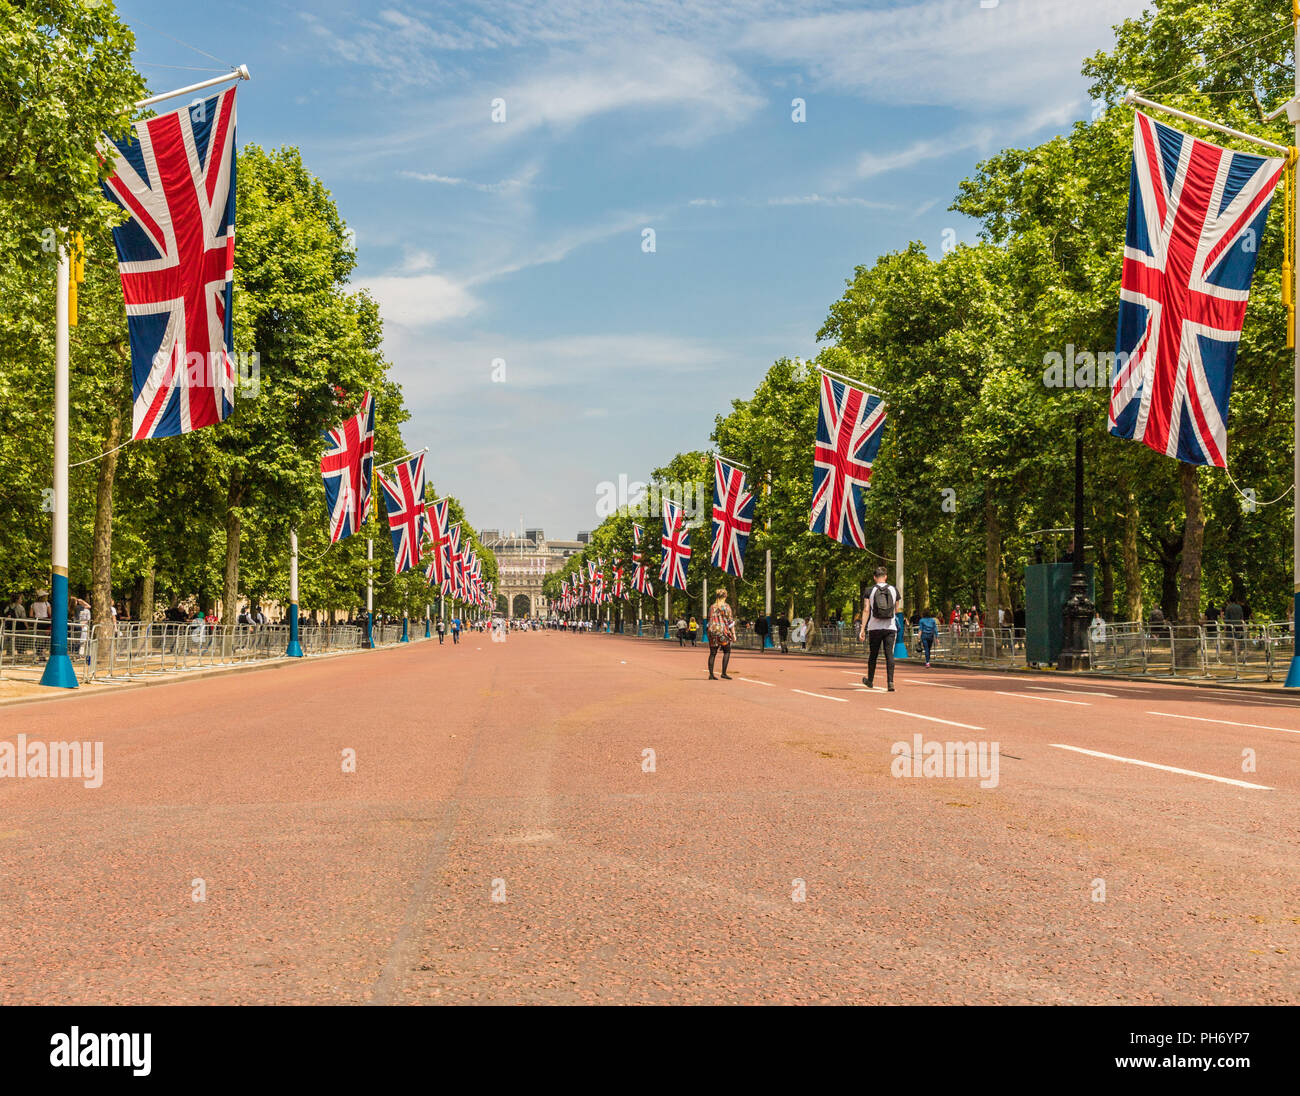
x,y
404,500
850,424
454,562
733,518
1196,214
676,541
175,177
640,581
620,594
437,539
346,468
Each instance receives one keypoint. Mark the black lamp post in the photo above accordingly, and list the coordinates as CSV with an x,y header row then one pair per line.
x,y
1076,614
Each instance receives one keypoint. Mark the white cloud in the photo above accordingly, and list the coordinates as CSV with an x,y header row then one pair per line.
x,y
504,186
420,300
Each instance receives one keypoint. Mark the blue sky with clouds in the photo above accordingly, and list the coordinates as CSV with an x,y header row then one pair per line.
x,y
522,240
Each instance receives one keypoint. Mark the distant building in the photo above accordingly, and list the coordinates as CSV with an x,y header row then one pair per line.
x,y
523,562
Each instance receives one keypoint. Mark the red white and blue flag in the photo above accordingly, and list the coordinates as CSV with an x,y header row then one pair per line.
x,y
676,541
620,593
640,581
437,541
454,562
346,469
850,424
404,500
175,177
1196,216
733,518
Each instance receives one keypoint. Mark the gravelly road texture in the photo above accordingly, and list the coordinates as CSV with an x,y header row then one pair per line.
x,y
517,771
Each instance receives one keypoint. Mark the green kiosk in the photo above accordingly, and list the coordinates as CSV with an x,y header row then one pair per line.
x,y
1047,589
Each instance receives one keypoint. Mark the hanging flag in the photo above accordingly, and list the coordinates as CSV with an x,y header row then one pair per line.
x,y
404,500
346,467
454,562
850,424
620,594
1196,215
676,541
640,582
174,175
733,518
435,537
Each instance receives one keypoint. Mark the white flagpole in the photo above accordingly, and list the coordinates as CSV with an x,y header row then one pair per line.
x,y
295,646
240,73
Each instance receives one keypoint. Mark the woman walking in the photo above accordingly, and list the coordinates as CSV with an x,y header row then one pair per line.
x,y
722,630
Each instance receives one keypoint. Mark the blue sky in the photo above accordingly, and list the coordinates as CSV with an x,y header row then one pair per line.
x,y
522,240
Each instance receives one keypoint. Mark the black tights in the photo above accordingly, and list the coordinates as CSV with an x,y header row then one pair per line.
x,y
726,657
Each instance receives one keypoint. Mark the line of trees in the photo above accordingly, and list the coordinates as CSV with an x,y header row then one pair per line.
x,y
973,345
206,515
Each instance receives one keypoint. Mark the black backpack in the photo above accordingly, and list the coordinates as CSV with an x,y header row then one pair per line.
x,y
882,603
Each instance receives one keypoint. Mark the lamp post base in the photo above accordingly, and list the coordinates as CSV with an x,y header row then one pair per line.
x,y
1076,619
59,674
1293,673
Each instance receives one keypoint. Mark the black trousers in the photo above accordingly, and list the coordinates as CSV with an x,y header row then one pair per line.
x,y
880,638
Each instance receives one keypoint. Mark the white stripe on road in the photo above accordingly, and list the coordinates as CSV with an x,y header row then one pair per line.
x,y
1165,768
1228,722
932,719
936,684
755,681
1071,692
1051,699
820,696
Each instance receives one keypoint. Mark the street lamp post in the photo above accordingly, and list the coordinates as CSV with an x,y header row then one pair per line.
x,y
1076,614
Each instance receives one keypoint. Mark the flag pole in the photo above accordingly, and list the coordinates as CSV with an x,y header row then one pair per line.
x,y
1132,97
58,672
295,646
240,73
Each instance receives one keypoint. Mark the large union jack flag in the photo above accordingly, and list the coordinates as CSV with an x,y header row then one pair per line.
x,y
437,542
175,177
733,518
346,468
455,563
676,541
1196,214
850,424
404,500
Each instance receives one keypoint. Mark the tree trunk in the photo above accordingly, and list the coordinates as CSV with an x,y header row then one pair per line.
x,y
992,559
1129,553
1189,586
922,600
144,612
1106,602
234,523
101,560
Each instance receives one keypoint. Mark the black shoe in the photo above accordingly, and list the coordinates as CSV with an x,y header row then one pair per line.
x,y
726,677
891,687
712,678
867,683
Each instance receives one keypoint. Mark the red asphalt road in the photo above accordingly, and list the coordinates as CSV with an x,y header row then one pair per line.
x,y
517,769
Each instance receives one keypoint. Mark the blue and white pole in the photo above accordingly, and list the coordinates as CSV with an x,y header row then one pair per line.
x,y
295,646
900,621
428,621
59,673
406,627
370,592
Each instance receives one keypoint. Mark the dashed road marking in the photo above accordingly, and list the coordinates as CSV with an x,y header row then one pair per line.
x,y
1165,768
1228,722
933,719
936,684
1051,699
821,696
755,681
1071,692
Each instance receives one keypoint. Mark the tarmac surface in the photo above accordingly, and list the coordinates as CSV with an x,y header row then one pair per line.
x,y
506,837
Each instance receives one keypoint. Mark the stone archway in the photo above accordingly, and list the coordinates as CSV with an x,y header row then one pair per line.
x,y
521,606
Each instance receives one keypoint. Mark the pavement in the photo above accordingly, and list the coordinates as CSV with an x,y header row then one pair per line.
x,y
576,819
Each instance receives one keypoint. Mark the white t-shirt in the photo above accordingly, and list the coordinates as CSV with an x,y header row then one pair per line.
x,y
40,610
873,623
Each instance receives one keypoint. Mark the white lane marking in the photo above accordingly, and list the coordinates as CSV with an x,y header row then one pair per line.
x,y
932,719
821,696
852,673
755,681
1071,692
1052,699
1228,722
1165,768
936,684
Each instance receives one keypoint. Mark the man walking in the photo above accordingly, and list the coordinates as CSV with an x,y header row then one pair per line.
x,y
455,630
783,632
878,609
442,631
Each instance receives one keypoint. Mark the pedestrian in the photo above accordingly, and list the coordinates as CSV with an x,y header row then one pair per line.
x,y
1234,616
455,630
722,631
928,626
783,633
442,631
878,610
954,620
760,630
681,631
693,629
40,611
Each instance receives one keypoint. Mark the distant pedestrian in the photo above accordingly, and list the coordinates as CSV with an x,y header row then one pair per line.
x,y
693,629
681,631
455,630
928,626
722,631
442,631
783,633
878,609
761,630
